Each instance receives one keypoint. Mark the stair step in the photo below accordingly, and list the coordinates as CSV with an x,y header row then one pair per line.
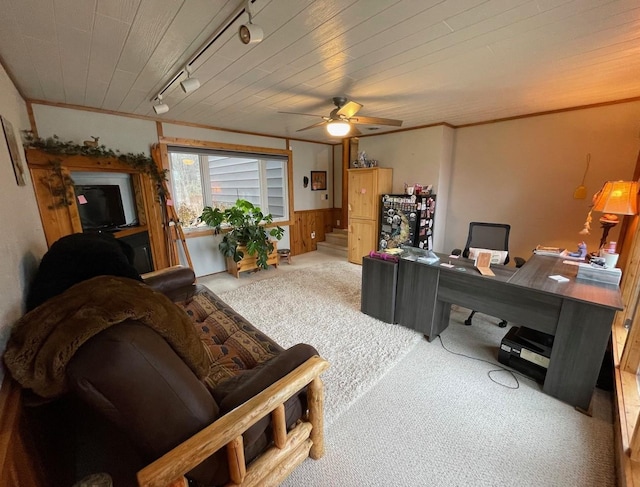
x,y
332,248
336,238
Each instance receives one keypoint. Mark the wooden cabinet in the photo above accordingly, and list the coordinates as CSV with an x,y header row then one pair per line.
x,y
54,190
364,191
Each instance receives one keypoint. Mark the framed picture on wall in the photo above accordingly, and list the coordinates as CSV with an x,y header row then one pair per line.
x,y
14,150
318,180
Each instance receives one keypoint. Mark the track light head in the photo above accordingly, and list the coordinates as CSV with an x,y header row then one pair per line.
x,y
250,33
190,84
160,107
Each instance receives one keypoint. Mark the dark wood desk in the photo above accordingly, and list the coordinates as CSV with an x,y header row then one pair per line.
x,y
578,313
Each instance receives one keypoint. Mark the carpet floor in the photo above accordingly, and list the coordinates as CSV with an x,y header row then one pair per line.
x,y
320,305
402,411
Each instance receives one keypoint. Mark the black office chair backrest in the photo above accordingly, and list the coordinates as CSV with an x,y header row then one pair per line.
x,y
492,236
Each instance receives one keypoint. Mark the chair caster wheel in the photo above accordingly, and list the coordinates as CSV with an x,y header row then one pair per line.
x,y
468,322
502,324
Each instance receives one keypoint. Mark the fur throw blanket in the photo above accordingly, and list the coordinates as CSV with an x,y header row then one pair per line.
x,y
44,340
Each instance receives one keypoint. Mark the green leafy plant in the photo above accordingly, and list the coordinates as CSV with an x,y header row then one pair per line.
x,y
245,223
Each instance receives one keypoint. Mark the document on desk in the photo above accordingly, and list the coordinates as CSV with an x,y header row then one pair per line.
x,y
559,278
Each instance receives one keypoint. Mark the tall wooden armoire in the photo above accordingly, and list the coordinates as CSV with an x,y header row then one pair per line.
x,y
366,186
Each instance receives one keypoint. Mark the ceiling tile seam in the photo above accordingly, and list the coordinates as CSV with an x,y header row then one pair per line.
x,y
135,16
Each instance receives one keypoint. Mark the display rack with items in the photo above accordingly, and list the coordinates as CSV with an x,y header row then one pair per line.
x,y
406,220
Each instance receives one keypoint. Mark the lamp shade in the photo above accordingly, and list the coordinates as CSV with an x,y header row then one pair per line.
x,y
618,198
338,128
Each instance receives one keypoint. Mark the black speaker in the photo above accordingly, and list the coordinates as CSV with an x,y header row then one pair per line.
x,y
142,258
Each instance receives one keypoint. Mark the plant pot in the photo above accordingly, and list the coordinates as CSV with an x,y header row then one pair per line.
x,y
248,262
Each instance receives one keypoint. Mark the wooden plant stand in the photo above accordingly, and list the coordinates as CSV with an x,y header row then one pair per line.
x,y
249,262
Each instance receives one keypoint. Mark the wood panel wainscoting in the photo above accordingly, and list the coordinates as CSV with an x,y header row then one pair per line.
x,y
306,222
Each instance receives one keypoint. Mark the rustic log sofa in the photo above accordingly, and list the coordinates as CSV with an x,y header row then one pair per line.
x,y
212,401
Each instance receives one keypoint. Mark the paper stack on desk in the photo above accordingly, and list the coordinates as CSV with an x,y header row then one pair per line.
x,y
600,274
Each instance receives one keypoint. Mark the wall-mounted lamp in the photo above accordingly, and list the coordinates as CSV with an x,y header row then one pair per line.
x,y
190,84
250,33
160,107
615,198
338,128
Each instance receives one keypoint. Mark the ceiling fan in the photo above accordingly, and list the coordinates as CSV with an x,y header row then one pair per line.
x,y
340,119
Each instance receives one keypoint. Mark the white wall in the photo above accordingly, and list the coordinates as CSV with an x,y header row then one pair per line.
x,y
422,156
116,133
307,157
22,242
524,172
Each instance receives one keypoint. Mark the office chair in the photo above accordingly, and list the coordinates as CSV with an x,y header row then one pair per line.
x,y
490,236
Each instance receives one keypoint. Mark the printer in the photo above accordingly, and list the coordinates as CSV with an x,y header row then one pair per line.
x,y
527,351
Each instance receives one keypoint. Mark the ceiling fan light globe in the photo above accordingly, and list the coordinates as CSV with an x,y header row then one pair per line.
x,y
338,129
190,84
161,108
250,33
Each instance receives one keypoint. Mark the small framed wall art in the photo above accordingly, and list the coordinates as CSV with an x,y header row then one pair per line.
x,y
318,180
14,150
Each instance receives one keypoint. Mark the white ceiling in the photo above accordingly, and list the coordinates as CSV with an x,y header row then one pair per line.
x,y
421,61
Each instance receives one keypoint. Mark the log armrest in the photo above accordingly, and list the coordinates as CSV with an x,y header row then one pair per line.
x,y
239,389
289,449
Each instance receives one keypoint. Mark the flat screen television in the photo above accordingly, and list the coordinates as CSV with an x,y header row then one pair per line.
x,y
100,206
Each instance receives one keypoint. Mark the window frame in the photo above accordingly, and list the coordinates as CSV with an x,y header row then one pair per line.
x,y
174,142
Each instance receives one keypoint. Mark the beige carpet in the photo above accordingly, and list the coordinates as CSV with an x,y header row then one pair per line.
x,y
320,305
428,418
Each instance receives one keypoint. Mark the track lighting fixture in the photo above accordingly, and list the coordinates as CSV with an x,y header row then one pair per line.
x,y
160,107
250,33
190,84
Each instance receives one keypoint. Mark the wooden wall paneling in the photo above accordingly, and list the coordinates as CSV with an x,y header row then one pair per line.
x,y
320,221
308,225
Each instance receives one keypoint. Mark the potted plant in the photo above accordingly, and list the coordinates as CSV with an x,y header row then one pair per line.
x,y
243,225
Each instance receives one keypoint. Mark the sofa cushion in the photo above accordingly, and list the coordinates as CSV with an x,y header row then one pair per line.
x,y
233,344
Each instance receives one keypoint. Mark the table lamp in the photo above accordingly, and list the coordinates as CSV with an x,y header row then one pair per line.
x,y
615,198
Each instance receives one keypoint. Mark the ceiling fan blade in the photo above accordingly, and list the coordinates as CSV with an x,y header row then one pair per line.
x,y
312,126
349,109
376,121
308,114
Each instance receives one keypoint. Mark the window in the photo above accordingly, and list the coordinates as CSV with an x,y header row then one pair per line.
x,y
202,177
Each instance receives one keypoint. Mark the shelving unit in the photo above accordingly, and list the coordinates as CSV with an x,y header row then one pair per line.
x,y
53,186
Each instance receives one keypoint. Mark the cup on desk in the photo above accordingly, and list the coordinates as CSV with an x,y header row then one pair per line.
x,y
610,260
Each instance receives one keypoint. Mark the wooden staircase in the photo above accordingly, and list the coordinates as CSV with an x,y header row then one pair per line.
x,y
335,243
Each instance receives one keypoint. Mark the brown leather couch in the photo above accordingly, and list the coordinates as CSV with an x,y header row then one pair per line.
x,y
133,399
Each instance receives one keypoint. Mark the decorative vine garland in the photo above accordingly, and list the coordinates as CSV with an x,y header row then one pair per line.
x,y
140,162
